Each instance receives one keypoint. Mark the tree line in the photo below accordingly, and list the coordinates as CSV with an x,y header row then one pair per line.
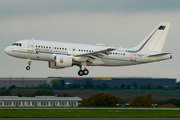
x,y
60,85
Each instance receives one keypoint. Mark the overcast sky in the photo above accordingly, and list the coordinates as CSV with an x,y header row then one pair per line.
x,y
112,22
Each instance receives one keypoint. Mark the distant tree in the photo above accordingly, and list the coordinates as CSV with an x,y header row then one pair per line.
x,y
27,86
168,105
43,93
57,84
19,95
89,85
175,102
142,101
67,94
128,87
104,86
43,86
5,93
12,87
100,99
74,85
114,87
135,86
159,87
81,87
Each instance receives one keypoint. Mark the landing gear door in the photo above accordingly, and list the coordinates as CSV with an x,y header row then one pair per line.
x,y
31,46
133,56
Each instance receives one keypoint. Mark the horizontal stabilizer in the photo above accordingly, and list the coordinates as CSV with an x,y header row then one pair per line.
x,y
157,55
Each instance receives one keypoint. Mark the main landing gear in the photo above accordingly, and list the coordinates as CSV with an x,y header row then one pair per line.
x,y
29,63
83,72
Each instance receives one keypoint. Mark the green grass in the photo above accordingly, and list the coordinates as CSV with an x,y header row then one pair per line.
x,y
86,113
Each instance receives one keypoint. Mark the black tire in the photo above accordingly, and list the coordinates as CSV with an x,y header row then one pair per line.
x,y
80,73
28,68
85,72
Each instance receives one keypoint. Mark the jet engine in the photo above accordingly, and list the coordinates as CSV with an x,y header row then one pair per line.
x,y
60,62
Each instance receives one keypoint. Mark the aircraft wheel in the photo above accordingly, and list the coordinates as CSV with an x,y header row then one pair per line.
x,y
80,73
28,68
85,72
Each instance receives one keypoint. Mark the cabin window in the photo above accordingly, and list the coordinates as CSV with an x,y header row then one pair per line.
x,y
44,47
79,50
82,50
123,53
62,48
41,46
49,47
57,48
54,47
36,45
65,48
73,49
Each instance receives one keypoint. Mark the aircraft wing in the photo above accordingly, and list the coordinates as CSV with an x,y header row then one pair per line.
x,y
95,55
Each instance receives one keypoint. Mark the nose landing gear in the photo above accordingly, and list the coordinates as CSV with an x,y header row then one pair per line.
x,y
29,63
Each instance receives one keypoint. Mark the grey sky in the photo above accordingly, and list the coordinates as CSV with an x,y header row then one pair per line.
x,y
113,22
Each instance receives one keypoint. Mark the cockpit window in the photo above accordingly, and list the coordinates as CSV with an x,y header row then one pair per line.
x,y
16,44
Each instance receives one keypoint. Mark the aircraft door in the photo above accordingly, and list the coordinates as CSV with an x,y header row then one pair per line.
x,y
133,56
31,46
73,51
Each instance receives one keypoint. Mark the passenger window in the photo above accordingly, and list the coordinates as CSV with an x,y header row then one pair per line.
x,y
62,48
54,47
41,46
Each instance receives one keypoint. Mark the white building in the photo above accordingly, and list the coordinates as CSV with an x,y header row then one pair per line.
x,y
39,101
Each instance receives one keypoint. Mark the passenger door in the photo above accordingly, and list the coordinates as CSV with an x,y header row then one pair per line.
x,y
31,46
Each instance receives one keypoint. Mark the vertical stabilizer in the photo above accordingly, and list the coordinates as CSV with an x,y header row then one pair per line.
x,y
155,40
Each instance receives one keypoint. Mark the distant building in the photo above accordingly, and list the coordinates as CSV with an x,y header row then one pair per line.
x,y
39,101
121,82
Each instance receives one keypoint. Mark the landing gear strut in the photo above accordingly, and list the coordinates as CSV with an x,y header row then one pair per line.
x,y
29,63
83,72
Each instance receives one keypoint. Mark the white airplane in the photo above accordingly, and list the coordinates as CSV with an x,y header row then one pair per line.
x,y
61,54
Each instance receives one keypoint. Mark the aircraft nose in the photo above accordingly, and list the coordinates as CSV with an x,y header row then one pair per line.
x,y
7,50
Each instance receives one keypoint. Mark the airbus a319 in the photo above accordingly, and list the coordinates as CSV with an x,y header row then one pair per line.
x,y
60,55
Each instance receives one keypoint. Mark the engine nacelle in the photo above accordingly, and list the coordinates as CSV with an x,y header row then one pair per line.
x,y
63,61
52,65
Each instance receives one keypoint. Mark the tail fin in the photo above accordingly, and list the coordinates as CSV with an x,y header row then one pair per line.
x,y
155,40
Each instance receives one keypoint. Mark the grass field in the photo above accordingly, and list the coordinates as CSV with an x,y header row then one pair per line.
x,y
87,113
